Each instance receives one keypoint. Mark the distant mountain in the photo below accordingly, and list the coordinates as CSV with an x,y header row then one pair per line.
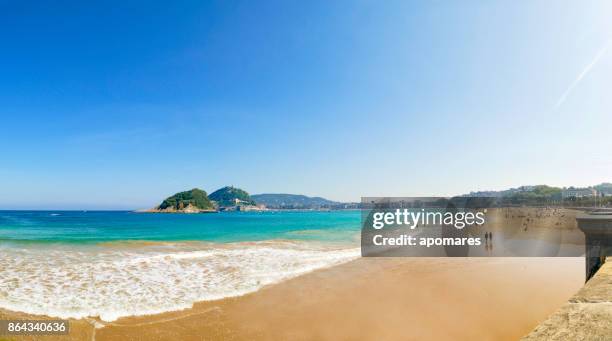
x,y
292,201
193,201
231,196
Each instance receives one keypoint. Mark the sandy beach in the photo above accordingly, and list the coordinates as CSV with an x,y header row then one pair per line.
x,y
369,299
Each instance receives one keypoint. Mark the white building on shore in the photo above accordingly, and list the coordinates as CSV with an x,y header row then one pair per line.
x,y
578,193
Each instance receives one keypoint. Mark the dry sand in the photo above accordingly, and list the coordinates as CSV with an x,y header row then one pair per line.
x,y
372,299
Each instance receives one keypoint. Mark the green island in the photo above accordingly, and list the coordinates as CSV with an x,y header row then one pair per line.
x,y
193,201
228,198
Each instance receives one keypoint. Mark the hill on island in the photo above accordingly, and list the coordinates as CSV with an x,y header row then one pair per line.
x,y
231,196
193,201
291,201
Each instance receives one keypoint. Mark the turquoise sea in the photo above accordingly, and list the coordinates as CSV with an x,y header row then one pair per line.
x,y
105,226
74,264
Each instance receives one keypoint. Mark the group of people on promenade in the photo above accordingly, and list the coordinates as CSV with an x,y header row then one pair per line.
x,y
489,241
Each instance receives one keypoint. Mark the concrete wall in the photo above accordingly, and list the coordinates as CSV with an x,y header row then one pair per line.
x,y
587,315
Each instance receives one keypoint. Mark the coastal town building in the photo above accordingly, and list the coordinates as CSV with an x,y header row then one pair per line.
x,y
578,193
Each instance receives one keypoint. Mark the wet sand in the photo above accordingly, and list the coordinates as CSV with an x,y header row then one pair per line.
x,y
371,299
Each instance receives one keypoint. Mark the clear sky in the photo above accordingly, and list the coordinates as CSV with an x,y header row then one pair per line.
x,y
117,105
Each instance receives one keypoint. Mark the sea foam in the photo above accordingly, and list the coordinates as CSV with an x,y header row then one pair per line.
x,y
114,281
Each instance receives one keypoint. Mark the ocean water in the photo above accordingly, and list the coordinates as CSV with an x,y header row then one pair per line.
x,y
116,264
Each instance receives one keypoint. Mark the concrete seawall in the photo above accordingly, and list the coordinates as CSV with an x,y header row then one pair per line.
x,y
587,315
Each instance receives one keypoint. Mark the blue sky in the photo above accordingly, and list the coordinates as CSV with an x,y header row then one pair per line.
x,y
116,105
